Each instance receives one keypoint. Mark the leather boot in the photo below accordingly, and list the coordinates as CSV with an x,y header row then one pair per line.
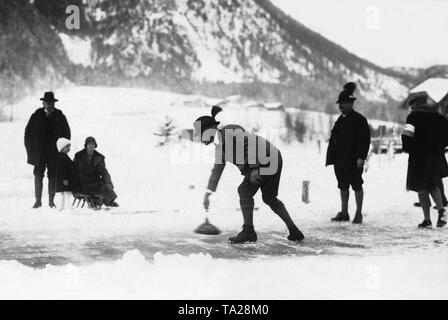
x,y
38,186
341,217
247,235
295,234
279,208
441,222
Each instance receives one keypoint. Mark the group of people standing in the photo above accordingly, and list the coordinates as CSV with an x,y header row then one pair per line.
x,y
47,143
425,137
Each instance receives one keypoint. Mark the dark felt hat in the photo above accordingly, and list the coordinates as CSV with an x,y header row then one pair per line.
x,y
418,98
347,94
89,140
206,122
49,97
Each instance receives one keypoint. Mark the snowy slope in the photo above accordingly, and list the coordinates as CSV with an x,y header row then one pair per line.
x,y
437,88
225,41
79,50
248,46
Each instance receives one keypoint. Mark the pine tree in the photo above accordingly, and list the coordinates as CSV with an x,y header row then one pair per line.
x,y
166,131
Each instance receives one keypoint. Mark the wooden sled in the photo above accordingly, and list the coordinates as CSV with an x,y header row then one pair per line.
x,y
93,201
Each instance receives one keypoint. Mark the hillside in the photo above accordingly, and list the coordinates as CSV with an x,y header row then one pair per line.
x,y
217,48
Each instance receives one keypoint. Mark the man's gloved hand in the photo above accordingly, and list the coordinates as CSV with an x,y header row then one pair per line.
x,y
255,177
65,182
206,201
360,163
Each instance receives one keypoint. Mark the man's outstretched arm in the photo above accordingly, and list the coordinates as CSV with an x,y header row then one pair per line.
x,y
213,181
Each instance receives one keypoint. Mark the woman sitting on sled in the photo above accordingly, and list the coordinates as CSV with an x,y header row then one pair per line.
x,y
94,179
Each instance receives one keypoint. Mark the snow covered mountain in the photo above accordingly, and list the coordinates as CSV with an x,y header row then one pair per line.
x,y
195,41
415,76
226,40
31,53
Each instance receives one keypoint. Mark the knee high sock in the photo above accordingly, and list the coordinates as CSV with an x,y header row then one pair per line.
x,y
359,195
247,208
51,188
345,195
38,186
437,197
442,191
279,208
426,204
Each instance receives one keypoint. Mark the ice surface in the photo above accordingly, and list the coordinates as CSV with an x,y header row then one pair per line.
x,y
147,248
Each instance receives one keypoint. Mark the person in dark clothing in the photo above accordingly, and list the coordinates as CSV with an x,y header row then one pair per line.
x,y
93,177
425,138
259,162
44,128
347,150
442,191
66,183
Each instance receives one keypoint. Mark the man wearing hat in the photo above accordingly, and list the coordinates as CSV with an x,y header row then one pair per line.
x,y
425,138
347,150
45,127
259,162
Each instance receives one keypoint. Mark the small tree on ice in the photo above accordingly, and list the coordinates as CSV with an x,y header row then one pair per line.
x,y
166,131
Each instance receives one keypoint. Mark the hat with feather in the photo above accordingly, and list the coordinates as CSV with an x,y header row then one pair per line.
x,y
206,122
347,93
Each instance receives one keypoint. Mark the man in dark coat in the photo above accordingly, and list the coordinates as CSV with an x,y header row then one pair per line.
x,y
259,162
425,138
347,151
44,128
93,177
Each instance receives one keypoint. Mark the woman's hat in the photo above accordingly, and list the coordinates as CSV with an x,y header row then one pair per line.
x,y
49,97
90,140
62,143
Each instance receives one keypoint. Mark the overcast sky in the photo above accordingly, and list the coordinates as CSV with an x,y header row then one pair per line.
x,y
412,33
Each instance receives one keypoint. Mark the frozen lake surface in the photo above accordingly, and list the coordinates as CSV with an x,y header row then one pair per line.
x,y
147,248
38,248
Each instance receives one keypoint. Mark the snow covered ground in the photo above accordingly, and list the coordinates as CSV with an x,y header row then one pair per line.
x,y
146,248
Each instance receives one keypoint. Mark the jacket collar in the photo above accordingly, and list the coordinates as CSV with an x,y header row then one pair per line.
x,y
42,111
423,108
83,153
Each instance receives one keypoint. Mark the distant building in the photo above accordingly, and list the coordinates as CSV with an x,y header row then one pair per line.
x,y
437,89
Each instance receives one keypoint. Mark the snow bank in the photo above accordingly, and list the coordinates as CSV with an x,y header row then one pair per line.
x,y
202,277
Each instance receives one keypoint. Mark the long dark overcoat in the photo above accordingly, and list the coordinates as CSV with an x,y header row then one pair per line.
x,y
92,173
427,163
38,140
65,171
93,177
349,141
